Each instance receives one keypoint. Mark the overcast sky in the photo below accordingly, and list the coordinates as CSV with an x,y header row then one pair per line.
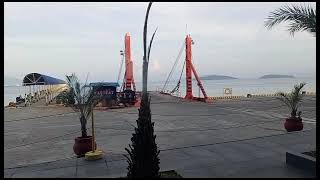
x,y
230,39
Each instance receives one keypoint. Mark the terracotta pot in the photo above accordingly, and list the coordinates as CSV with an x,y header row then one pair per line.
x,y
293,124
82,145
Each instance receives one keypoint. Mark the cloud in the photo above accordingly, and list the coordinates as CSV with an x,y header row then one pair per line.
x,y
155,65
229,37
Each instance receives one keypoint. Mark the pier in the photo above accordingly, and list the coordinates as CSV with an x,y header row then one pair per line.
x,y
39,88
228,138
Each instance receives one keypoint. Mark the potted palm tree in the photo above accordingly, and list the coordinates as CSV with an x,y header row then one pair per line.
x,y
85,100
293,100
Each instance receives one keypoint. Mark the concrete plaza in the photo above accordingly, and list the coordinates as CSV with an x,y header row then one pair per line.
x,y
226,138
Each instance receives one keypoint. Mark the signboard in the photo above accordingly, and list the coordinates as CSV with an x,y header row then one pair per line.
x,y
227,91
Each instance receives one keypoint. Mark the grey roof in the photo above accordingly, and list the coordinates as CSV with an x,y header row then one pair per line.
x,y
40,79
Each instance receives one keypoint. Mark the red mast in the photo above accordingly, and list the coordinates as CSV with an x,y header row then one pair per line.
x,y
189,69
129,81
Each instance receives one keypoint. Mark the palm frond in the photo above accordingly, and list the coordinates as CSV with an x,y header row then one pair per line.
x,y
91,101
145,28
293,99
297,95
150,45
285,98
85,97
301,18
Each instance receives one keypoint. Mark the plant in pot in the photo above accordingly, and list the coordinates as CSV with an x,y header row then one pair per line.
x,y
85,100
293,101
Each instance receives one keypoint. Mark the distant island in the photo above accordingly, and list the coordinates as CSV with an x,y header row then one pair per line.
x,y
275,76
216,77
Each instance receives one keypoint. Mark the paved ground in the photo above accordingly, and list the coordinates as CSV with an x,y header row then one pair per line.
x,y
237,138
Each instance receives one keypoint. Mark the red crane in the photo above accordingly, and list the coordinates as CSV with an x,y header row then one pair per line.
x,y
189,69
128,83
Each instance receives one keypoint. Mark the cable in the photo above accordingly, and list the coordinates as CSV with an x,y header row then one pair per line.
x,y
23,119
178,85
173,67
26,165
183,147
196,129
48,139
120,70
179,100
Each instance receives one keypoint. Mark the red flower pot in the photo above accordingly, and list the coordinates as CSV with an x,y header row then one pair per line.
x,y
293,124
82,145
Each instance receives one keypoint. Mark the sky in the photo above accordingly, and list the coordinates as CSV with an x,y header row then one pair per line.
x,y
86,38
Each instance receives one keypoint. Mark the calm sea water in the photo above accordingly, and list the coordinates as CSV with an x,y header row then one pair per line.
x,y
212,87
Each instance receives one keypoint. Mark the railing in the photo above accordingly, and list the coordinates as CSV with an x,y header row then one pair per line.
x,y
253,95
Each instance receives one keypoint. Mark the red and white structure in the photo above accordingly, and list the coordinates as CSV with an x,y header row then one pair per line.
x,y
128,83
189,70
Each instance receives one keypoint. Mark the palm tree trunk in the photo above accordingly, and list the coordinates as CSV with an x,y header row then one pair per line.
x,y
83,126
144,78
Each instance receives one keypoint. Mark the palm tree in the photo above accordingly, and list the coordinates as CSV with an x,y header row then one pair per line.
x,y
143,159
85,100
293,99
301,18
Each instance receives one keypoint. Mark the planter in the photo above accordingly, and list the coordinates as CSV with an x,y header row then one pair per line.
x,y
82,145
293,124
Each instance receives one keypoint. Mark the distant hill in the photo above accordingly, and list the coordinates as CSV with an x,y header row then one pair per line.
x,y
275,76
11,81
216,77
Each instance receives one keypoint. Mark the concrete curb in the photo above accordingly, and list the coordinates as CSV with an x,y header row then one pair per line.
x,y
239,97
226,97
254,95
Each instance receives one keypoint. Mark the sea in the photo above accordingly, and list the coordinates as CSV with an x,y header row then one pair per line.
x,y
239,87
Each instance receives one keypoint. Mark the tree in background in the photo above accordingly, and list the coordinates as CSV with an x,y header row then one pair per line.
x,y
301,18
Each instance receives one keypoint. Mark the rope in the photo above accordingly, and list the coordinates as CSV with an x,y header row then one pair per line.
x,y
173,67
184,147
43,140
120,70
173,101
184,129
37,117
178,85
238,140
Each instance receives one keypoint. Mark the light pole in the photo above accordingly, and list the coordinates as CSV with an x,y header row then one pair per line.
x,y
122,55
